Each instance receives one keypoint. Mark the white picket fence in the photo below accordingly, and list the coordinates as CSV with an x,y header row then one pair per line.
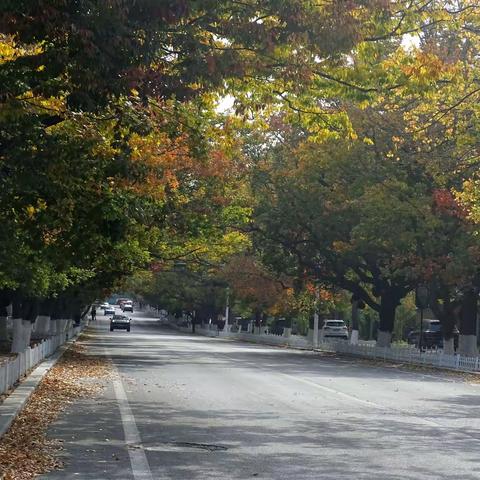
x,y
435,358
404,354
295,341
13,370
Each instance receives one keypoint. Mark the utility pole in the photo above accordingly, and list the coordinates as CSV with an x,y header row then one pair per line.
x,y
315,317
227,311
355,321
421,302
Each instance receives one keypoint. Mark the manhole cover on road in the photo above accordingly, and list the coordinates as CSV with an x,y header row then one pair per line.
x,y
182,446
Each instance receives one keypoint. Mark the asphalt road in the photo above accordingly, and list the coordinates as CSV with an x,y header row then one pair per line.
x,y
189,407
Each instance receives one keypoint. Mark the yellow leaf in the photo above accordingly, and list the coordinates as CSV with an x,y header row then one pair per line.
x,y
30,211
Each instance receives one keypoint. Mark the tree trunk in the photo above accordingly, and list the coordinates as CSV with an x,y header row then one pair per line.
x,y
42,323
467,344
388,307
448,346
58,313
447,313
448,319
5,301
258,321
69,324
355,323
24,313
42,327
4,337
22,330
62,325
83,314
17,323
384,339
53,327
18,337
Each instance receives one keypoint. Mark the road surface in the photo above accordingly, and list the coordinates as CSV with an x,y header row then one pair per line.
x,y
189,407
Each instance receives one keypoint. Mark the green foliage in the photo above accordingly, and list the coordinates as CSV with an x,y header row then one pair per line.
x,y
349,156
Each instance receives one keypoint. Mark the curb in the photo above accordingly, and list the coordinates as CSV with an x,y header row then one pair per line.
x,y
384,364
437,368
14,403
249,342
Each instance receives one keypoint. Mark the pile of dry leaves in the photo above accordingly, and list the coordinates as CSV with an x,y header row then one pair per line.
x,y
25,450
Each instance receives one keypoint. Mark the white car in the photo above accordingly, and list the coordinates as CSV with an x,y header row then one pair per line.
x,y
127,307
334,329
109,310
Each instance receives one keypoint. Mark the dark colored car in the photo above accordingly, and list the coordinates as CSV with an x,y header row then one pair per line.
x,y
432,336
276,328
120,322
278,325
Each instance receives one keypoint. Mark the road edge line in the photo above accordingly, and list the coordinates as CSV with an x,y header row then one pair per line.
x,y
138,459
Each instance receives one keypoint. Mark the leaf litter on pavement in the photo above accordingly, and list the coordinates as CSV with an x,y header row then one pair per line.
x,y
25,450
441,373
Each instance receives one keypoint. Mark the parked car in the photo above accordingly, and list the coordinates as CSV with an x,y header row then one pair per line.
x,y
432,336
277,326
120,322
110,310
334,329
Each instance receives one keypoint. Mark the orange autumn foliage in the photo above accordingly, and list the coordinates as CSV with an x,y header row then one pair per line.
x,y
252,282
161,164
446,203
324,294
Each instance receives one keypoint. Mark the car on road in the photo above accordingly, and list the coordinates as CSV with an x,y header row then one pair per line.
x,y
104,305
334,329
121,301
110,310
127,307
120,322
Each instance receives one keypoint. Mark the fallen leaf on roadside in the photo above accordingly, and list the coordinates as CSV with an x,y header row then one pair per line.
x,y
25,450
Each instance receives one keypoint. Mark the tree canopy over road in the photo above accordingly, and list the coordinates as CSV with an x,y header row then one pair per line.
x,y
348,157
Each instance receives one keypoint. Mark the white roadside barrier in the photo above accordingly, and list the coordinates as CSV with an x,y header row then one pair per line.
x,y
295,341
433,358
409,354
13,370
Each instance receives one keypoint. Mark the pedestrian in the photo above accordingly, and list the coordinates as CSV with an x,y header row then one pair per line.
x,y
94,313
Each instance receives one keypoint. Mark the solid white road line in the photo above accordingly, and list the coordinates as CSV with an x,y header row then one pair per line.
x,y
138,459
351,398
